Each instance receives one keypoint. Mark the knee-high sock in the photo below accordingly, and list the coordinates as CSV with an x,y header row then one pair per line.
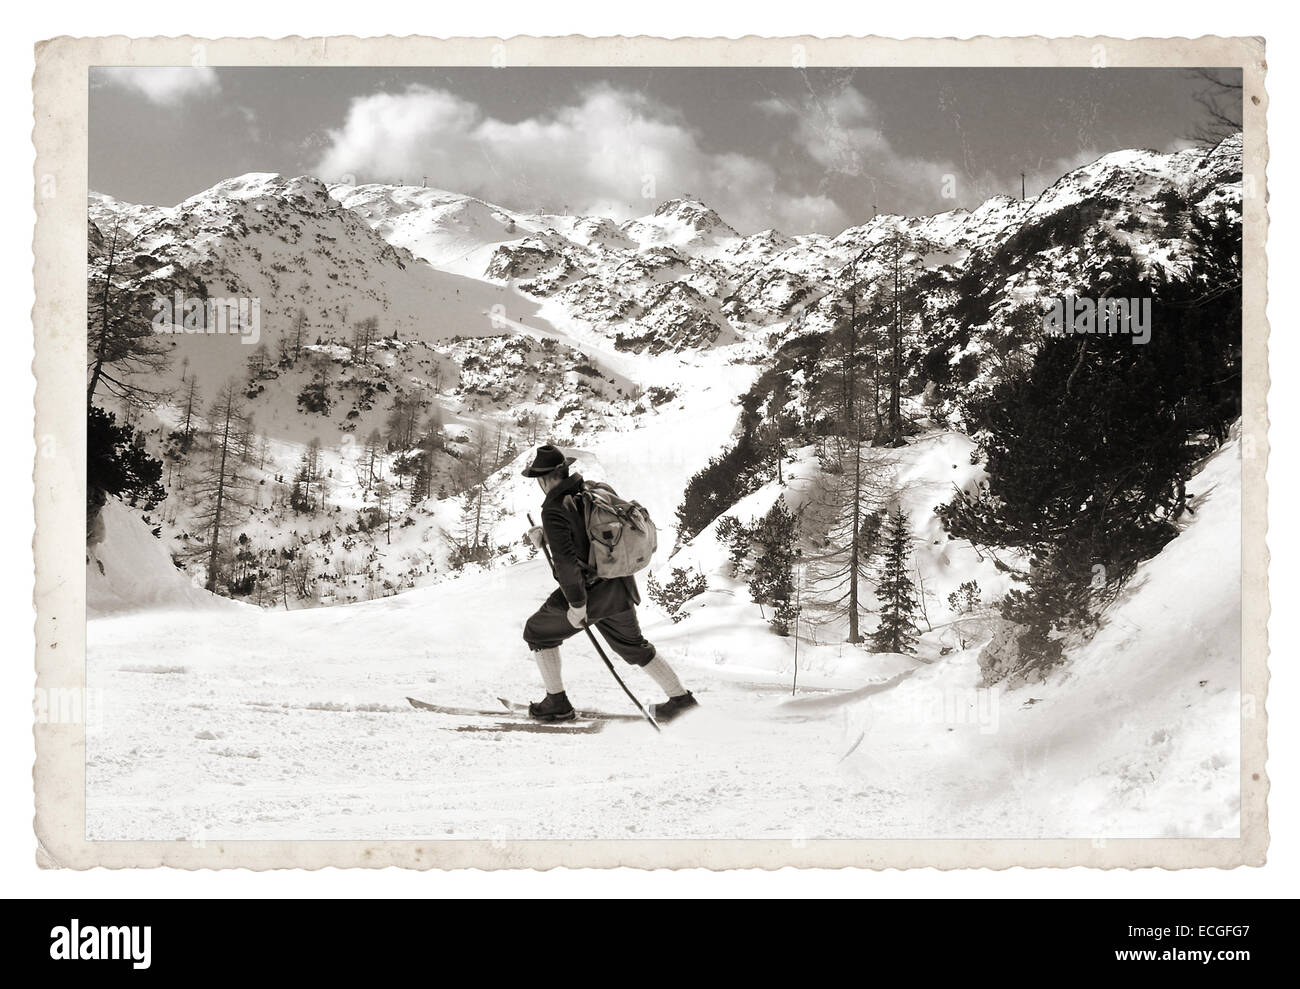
x,y
548,661
662,674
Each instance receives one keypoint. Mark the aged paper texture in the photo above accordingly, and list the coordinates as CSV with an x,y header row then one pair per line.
x,y
597,236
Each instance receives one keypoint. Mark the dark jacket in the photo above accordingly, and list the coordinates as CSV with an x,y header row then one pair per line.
x,y
566,534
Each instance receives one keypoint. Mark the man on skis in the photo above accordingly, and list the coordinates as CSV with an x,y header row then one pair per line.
x,y
607,604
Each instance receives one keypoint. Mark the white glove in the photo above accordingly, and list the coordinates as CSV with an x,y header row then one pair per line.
x,y
577,616
536,536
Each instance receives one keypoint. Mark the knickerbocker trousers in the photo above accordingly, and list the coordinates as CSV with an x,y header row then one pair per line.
x,y
549,626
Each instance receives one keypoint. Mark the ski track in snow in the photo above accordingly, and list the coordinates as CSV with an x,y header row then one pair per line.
x,y
245,744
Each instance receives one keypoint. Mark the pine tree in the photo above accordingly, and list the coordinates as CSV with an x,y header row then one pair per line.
x,y
246,440
307,483
772,579
299,330
301,572
220,489
407,465
964,602
429,443
897,632
853,485
364,335
126,357
1074,500
736,537
474,477
402,424
384,495
117,464
289,346
847,502
190,400
423,479
257,362
371,464
263,450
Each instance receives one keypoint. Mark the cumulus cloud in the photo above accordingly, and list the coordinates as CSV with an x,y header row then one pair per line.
x,y
169,85
611,151
841,132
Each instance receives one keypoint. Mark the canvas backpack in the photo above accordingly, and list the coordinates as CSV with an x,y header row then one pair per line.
x,y
622,536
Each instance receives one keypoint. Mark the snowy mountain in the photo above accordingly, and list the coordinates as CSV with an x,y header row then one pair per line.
x,y
289,244
524,326
348,252
611,278
680,223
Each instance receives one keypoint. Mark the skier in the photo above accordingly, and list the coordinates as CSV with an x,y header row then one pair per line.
x,y
581,598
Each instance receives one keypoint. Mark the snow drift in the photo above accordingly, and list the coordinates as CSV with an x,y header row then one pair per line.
x,y
1136,736
129,569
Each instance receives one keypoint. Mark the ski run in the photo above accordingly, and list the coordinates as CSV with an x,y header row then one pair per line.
x,y
280,710
220,721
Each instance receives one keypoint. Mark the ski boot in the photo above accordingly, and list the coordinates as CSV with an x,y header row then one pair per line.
x,y
555,707
674,706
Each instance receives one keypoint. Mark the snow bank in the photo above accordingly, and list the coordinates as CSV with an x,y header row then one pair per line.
x,y
131,570
1136,736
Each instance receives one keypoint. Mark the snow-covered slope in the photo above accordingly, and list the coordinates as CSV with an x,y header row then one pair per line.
x,y
289,244
1138,735
128,569
681,223
726,623
450,231
293,725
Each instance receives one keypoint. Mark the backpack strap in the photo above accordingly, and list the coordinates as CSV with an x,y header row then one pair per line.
x,y
579,504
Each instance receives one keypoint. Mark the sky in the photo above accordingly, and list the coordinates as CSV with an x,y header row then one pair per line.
x,y
800,150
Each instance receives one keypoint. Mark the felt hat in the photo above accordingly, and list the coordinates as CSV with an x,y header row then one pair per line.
x,y
547,459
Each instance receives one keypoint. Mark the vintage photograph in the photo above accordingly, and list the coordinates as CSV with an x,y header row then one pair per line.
x,y
794,452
